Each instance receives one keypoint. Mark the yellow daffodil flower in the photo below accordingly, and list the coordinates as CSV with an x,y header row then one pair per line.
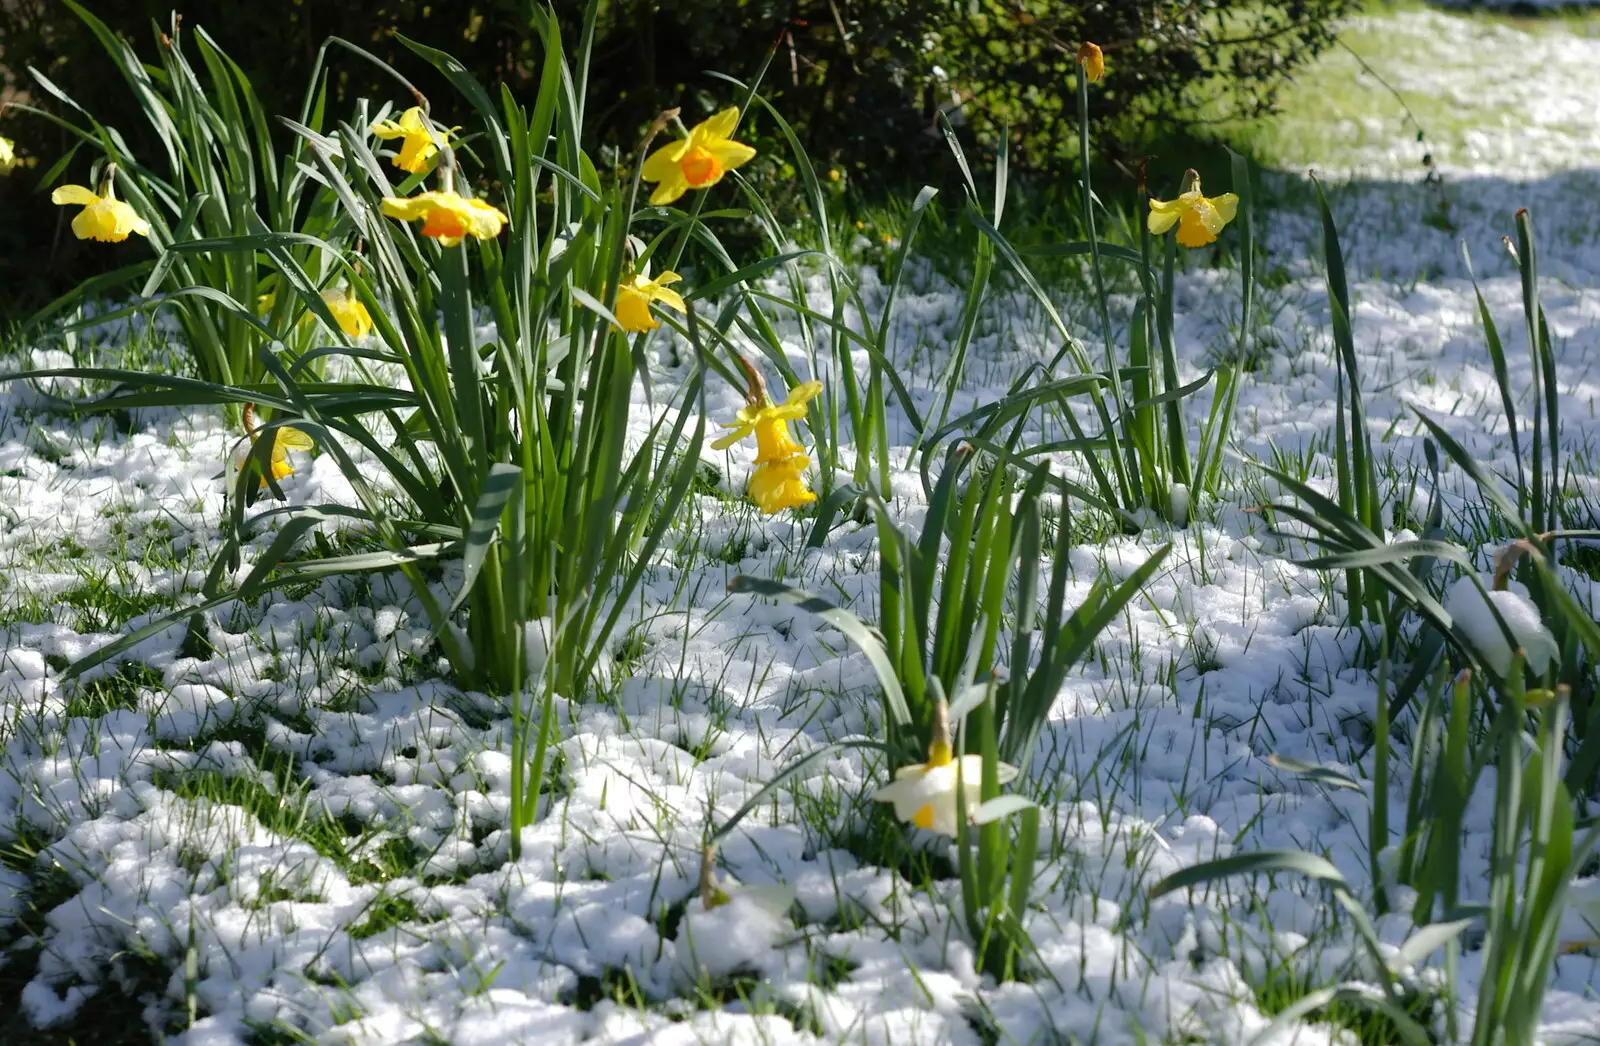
x,y
1199,218
353,317
1093,62
635,296
770,423
419,150
284,439
777,485
104,218
8,155
924,794
447,216
698,161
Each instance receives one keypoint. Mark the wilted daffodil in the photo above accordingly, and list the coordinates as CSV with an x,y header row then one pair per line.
x,y
698,161
419,150
104,217
353,317
634,298
448,217
1199,218
8,155
924,794
1093,62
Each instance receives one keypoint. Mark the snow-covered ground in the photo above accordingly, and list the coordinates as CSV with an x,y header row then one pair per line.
x,y
305,835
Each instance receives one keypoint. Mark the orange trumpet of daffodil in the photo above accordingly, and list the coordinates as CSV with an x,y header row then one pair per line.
x,y
698,161
447,216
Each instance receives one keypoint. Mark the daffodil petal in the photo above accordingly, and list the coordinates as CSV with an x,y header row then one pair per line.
x,y
731,154
67,195
720,125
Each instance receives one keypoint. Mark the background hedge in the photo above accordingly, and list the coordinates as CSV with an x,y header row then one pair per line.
x,y
862,80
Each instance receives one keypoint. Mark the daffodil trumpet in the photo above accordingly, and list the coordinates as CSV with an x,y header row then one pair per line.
x,y
779,480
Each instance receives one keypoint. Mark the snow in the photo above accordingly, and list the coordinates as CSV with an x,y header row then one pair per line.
x,y
331,702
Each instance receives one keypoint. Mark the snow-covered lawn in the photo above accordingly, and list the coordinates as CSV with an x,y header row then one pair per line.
x,y
303,838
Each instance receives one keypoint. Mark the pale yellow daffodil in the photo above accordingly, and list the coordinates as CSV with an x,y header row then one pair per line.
x,y
104,218
8,155
634,298
924,794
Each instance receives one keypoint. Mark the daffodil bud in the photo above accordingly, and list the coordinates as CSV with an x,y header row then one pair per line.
x,y
1092,61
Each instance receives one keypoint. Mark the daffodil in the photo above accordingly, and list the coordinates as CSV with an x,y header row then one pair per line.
x,y
770,423
924,794
1199,218
448,217
284,439
419,150
635,296
777,485
8,155
104,218
1093,61
353,317
698,161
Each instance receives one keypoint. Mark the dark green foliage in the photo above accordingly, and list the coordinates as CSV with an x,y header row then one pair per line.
x,y
862,80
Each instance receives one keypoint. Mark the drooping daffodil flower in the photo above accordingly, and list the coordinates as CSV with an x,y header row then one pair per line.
x,y
779,481
634,298
1093,61
419,148
284,439
353,317
1199,218
104,217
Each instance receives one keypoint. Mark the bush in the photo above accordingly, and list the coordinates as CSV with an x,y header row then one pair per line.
x,y
863,80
